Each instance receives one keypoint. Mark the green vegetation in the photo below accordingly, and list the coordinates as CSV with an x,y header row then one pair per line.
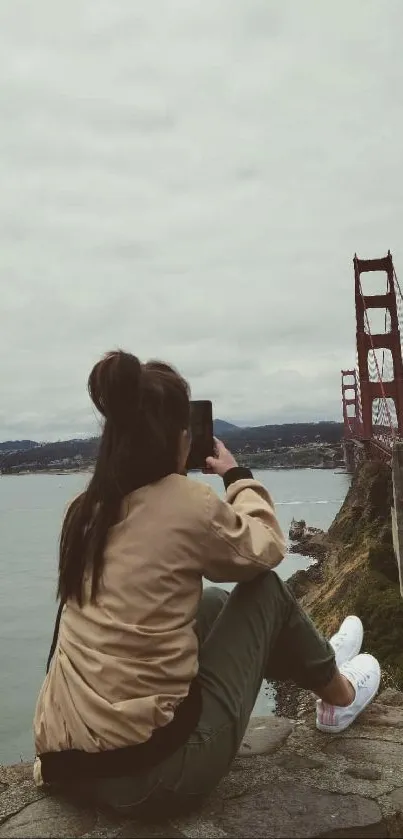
x,y
379,604
310,455
68,455
359,574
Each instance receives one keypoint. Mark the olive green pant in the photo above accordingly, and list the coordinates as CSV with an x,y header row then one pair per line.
x,y
257,632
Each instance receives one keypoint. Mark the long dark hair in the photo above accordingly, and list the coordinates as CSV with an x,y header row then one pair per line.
x,y
145,406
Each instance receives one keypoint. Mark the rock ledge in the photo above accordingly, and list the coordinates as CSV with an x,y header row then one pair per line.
x,y
288,781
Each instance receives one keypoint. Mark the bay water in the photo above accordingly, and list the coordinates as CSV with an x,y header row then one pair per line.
x,y
31,511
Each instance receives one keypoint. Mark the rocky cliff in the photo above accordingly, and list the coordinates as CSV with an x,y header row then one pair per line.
x,y
356,571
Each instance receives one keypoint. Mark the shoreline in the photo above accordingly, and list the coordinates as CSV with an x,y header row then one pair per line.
x,y
45,472
253,467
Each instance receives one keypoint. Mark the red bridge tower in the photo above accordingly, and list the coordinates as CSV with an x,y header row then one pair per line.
x,y
379,389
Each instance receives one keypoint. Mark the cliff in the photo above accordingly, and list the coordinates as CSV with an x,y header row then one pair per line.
x,y
357,571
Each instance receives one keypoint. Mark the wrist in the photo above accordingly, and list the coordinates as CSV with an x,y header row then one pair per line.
x,y
236,473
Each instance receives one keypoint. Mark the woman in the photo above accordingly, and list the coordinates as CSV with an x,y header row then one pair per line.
x,y
152,681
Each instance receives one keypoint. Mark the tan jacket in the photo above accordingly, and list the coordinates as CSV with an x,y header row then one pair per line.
x,y
122,666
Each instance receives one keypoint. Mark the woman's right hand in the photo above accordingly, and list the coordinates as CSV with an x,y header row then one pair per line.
x,y
222,461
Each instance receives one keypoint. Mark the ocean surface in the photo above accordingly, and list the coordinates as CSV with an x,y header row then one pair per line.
x,y
31,511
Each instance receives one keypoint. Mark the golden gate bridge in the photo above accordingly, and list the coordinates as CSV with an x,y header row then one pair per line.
x,y
372,392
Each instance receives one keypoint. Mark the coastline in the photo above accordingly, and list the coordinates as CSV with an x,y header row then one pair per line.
x,y
355,573
68,456
76,471
252,466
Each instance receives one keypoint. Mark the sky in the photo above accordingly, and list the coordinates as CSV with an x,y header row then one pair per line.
x,y
189,180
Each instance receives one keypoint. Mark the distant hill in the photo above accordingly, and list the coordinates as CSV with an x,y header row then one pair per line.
x,y
223,427
26,455
17,445
44,455
288,434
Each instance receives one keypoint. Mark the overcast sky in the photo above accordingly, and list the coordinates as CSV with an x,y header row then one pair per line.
x,y
189,180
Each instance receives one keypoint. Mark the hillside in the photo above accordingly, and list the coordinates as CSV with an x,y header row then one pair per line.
x,y
357,573
17,445
72,454
222,427
283,446
289,434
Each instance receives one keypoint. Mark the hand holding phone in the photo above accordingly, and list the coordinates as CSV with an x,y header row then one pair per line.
x,y
221,461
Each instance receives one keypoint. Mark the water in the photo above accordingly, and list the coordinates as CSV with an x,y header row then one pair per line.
x,y
31,510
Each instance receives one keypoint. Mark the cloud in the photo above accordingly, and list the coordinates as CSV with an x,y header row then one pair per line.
x,y
190,180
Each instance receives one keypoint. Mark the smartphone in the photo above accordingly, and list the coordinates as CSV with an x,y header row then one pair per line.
x,y
201,429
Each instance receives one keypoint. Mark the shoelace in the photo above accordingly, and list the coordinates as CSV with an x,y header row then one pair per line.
x,y
339,640
341,636
359,677
361,682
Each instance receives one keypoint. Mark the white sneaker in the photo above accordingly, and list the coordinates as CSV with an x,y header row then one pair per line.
x,y
348,640
364,673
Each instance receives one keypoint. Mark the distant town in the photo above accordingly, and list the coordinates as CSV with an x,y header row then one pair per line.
x,y
289,446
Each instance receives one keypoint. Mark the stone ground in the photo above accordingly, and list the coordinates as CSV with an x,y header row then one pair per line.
x,y
289,780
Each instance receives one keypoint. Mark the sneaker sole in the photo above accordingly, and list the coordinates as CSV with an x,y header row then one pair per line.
x,y
337,729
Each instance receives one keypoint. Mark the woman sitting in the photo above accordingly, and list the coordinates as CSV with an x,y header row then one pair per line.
x,y
151,679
